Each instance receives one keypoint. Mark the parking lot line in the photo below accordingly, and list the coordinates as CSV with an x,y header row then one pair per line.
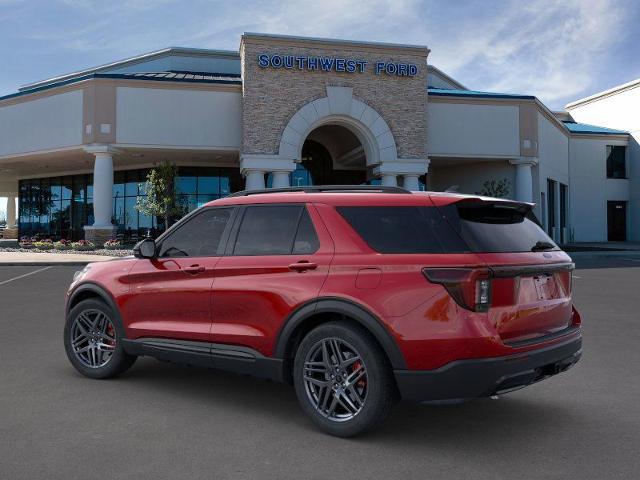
x,y
25,275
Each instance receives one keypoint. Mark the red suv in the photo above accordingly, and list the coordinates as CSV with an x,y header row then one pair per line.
x,y
356,295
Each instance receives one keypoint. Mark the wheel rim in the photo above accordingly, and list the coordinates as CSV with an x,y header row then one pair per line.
x,y
335,379
93,338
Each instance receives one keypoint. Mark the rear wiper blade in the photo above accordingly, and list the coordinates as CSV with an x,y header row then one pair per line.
x,y
542,246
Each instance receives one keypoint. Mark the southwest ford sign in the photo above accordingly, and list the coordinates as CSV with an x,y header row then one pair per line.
x,y
334,64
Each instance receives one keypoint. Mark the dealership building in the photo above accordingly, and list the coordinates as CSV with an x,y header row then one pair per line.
x,y
281,111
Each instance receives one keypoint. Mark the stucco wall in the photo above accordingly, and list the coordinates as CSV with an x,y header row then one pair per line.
x,y
272,96
43,124
620,111
190,118
590,189
473,129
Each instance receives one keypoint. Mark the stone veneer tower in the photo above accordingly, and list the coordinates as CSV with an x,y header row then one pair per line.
x,y
293,85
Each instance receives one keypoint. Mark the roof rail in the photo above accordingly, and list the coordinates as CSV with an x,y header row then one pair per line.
x,y
325,188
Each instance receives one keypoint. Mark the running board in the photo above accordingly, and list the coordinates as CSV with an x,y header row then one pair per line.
x,y
230,358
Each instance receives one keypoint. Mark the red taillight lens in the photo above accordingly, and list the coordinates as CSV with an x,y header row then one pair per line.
x,y
469,287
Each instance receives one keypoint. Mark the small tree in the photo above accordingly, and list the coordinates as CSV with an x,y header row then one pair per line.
x,y
160,200
499,189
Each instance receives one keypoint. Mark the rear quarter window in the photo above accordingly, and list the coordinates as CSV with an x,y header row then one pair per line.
x,y
403,229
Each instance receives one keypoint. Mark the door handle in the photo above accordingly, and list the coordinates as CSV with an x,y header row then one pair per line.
x,y
193,269
303,266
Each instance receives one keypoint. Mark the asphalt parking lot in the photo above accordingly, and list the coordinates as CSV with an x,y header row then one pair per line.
x,y
165,421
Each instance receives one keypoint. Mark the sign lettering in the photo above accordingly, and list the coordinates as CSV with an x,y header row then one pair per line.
x,y
332,64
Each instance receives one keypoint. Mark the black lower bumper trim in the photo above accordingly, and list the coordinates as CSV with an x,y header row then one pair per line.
x,y
466,379
231,358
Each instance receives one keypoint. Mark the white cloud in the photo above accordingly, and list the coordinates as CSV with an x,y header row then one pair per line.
x,y
547,48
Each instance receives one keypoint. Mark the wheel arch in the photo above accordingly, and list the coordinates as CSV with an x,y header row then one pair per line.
x,y
89,290
324,310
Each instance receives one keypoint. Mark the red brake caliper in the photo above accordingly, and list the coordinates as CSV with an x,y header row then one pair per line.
x,y
356,366
111,332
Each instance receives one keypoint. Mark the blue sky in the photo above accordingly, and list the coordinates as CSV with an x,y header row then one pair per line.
x,y
557,50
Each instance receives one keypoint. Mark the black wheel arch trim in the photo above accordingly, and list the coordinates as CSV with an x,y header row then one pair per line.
x,y
99,291
340,306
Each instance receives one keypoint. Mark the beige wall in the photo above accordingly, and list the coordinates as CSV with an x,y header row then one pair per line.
x,y
473,129
172,117
590,189
272,96
45,123
620,110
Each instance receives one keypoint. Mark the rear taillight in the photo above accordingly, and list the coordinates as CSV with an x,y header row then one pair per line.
x,y
469,287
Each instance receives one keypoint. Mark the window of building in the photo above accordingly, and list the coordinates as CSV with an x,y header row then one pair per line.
x,y
563,205
59,207
273,230
198,236
551,206
616,163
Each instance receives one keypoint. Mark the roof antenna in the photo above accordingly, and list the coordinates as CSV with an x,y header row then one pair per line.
x,y
452,189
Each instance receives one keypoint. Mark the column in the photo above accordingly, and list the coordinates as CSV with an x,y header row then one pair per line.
x,y
11,212
410,169
389,180
254,180
524,179
102,228
280,179
103,190
254,165
411,182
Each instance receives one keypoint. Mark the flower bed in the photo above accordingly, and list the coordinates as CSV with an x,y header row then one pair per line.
x,y
71,251
43,244
113,245
83,246
113,248
62,245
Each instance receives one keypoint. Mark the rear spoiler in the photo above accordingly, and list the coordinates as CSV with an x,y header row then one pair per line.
x,y
461,197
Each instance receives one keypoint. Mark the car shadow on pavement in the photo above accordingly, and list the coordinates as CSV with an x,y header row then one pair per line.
x,y
482,422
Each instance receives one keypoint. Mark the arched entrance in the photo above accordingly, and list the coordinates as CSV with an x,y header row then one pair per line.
x,y
338,139
332,155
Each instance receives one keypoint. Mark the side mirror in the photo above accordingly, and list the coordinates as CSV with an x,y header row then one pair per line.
x,y
145,248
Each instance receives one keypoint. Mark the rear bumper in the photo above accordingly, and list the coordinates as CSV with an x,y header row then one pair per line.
x,y
467,379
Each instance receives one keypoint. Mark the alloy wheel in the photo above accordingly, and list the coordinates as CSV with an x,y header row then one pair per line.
x,y
335,379
93,338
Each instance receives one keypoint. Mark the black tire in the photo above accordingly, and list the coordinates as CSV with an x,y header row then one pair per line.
x,y
380,391
118,362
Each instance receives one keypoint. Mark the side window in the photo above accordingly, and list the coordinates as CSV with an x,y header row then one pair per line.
x,y
275,230
306,238
199,236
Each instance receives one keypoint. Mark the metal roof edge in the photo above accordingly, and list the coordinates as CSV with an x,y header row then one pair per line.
x,y
605,93
131,61
124,76
447,77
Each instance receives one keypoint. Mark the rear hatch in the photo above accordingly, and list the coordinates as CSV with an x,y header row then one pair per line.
x,y
529,276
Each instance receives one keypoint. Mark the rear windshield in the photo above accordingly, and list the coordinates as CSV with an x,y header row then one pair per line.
x,y
478,227
492,228
404,229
